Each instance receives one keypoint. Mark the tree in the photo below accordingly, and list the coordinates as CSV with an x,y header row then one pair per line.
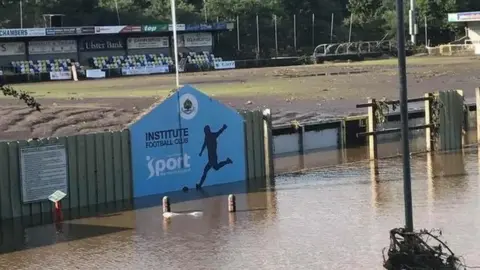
x,y
21,95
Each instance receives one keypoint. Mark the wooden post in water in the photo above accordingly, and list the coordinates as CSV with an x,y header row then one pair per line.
x,y
342,137
477,95
461,116
429,143
301,147
451,120
232,203
268,143
371,127
166,204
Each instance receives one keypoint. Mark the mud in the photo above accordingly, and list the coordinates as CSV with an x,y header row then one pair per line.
x,y
312,93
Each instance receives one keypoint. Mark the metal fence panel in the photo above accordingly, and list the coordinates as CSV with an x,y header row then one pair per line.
x,y
98,173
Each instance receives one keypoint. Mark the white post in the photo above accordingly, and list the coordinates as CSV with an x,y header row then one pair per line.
x,y
295,32
21,13
350,31
426,31
118,14
258,39
238,33
276,35
205,9
175,44
413,24
218,36
331,29
313,30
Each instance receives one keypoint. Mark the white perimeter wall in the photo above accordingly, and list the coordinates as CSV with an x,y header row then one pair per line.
x,y
473,32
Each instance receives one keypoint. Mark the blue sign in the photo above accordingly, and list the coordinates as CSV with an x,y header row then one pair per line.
x,y
198,27
189,140
220,26
192,27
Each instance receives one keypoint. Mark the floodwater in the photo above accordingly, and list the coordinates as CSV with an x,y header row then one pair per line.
x,y
333,218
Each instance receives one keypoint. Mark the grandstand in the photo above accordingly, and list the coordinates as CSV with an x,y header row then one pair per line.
x,y
42,66
146,60
201,61
38,54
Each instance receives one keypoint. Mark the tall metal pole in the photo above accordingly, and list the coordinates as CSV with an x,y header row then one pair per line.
x,y
402,72
350,30
276,34
21,13
426,31
413,28
218,33
118,13
295,32
205,10
238,33
331,29
175,43
258,38
313,30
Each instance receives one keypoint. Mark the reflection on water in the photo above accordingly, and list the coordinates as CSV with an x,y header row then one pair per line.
x,y
334,218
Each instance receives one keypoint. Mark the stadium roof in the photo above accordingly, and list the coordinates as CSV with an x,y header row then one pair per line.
x,y
115,29
473,16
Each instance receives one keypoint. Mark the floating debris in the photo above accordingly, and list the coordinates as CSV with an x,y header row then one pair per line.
x,y
411,250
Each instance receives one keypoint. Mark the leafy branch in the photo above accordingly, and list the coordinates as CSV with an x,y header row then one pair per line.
x,y
382,109
21,95
436,108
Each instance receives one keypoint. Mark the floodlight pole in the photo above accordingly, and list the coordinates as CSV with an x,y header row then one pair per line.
x,y
175,44
21,13
402,74
118,14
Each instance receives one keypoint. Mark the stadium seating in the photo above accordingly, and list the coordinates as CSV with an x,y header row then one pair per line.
x,y
42,66
204,59
109,62
201,60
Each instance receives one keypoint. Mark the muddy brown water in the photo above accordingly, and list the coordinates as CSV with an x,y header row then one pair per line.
x,y
337,217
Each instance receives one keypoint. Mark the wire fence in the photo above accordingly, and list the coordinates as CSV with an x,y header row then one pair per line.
x,y
267,36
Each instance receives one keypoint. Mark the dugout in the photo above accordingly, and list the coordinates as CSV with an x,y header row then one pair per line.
x,y
471,21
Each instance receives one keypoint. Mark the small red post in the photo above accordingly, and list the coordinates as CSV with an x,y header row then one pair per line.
x,y
58,214
56,197
58,217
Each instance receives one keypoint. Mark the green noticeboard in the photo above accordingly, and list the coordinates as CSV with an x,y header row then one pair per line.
x,y
155,28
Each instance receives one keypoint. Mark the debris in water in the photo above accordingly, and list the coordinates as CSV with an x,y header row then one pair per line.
x,y
411,250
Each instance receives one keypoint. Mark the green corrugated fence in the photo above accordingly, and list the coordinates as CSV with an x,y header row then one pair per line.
x,y
258,143
99,172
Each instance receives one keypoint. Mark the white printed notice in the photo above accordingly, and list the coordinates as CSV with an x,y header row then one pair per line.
x,y
43,171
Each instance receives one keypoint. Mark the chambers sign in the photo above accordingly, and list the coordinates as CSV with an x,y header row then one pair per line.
x,y
102,44
155,28
22,32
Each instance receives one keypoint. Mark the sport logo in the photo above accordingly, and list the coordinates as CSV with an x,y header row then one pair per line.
x,y
170,165
188,106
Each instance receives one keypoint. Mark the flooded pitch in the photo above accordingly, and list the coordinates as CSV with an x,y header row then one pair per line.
x,y
334,218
